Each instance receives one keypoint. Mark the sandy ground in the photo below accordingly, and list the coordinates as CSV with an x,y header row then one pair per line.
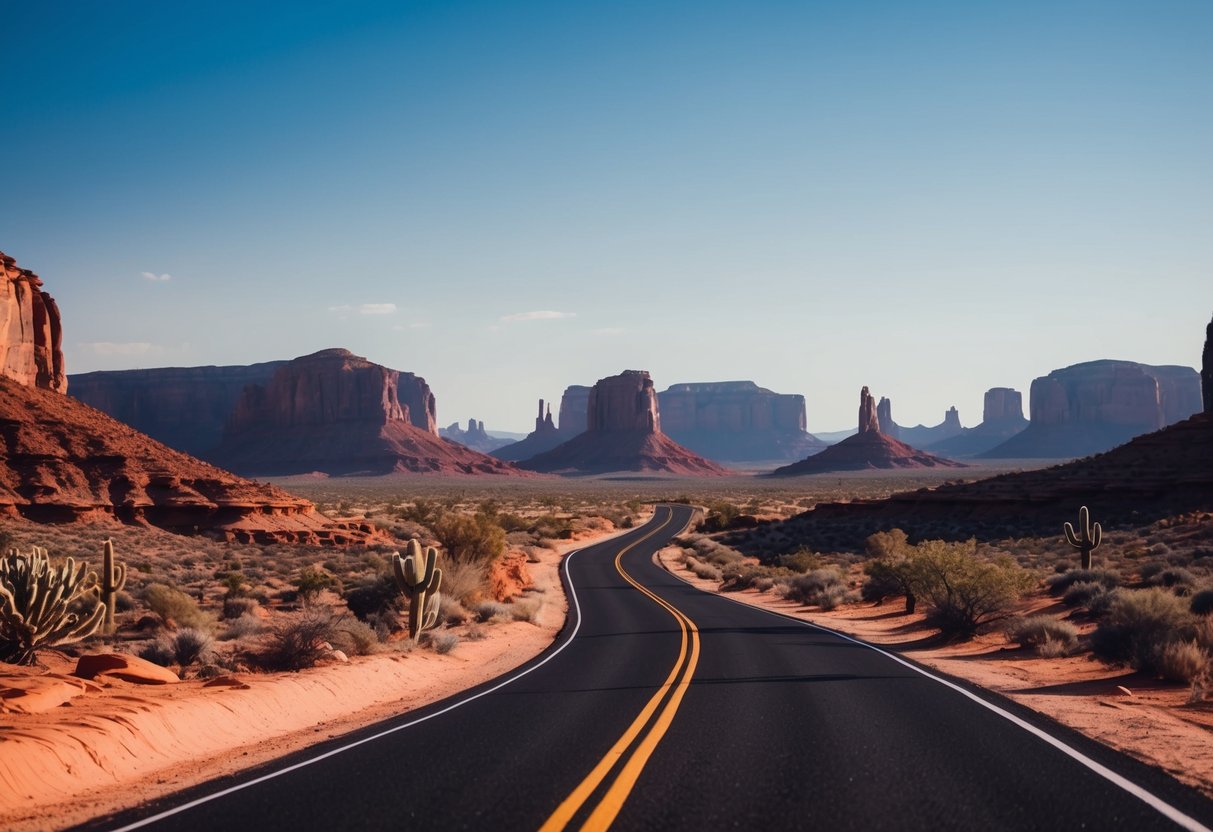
x,y
118,745
1145,718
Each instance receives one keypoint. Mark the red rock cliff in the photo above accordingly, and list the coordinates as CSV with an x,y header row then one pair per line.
x,y
31,332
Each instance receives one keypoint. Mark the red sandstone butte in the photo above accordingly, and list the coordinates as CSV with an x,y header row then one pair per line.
x,y
870,448
623,433
338,413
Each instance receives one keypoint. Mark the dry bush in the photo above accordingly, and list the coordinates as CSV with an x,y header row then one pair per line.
x,y
190,646
487,611
354,637
242,627
1060,584
1139,626
706,571
1202,602
525,610
443,643
824,588
1061,637
297,642
1182,661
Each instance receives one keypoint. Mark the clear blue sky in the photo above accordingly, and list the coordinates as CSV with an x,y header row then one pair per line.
x,y
927,198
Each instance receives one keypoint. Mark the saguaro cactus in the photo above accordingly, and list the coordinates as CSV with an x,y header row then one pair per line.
x,y
113,578
419,579
36,601
1087,538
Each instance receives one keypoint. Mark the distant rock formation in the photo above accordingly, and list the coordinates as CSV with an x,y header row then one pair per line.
x,y
183,407
62,461
474,437
884,418
869,448
574,409
337,413
623,433
1092,407
1002,418
543,438
920,436
31,331
734,421
1206,370
1164,474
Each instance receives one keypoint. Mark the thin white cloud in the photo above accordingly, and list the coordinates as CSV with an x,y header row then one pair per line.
x,y
538,315
365,309
156,278
119,348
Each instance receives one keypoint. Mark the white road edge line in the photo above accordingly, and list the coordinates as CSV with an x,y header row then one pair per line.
x,y
1152,800
334,752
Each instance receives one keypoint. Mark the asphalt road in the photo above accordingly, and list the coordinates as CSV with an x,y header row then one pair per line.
x,y
663,707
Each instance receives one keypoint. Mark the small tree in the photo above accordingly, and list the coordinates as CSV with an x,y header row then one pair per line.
x,y
311,582
891,570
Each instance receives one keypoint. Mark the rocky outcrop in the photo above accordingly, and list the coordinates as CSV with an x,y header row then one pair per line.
x,y
543,438
62,461
1092,407
31,331
884,417
869,448
337,413
1002,419
623,433
183,407
474,436
733,421
574,410
1206,370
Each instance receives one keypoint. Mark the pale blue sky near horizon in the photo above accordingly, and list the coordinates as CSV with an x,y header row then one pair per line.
x,y
927,198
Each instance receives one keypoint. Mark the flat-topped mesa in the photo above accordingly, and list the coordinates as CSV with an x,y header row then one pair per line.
x,y
732,421
1002,404
574,409
627,401
869,420
334,385
1092,407
1206,370
31,330
183,407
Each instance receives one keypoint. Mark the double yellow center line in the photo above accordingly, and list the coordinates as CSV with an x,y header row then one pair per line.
x,y
655,717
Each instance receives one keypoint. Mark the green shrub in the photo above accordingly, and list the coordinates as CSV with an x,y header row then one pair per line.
x,y
311,582
474,538
175,608
966,593
1139,624
802,560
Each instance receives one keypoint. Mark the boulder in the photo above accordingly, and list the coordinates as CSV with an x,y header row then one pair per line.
x,y
124,667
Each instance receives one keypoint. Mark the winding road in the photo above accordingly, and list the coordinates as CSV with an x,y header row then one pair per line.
x,y
664,707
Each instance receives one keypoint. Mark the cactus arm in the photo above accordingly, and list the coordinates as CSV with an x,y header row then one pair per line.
x,y
1071,537
1098,537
